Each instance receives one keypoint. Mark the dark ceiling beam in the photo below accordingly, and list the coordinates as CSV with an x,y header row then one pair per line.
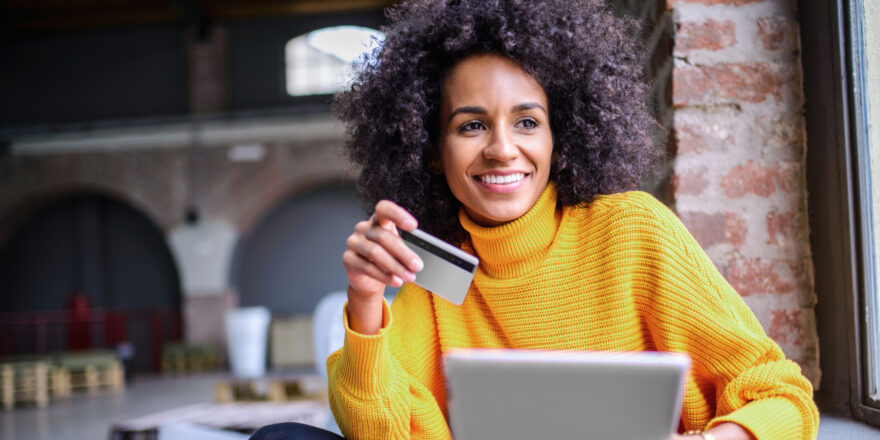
x,y
79,20
268,8
89,14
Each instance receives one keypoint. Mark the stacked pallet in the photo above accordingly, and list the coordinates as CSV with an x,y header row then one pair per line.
x,y
270,389
92,371
37,379
24,381
190,358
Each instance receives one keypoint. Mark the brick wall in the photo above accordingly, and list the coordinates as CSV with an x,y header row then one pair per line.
x,y
150,174
738,174
207,70
153,175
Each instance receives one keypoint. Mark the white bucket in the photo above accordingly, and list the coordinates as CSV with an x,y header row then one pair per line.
x,y
247,329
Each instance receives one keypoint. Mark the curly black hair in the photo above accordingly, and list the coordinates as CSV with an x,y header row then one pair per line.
x,y
587,60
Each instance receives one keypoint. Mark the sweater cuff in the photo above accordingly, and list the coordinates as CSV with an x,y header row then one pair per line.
x,y
365,368
767,419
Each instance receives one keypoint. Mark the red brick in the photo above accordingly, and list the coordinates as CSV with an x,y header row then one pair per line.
x,y
757,276
708,229
759,180
735,229
731,82
705,35
711,229
782,227
787,326
696,138
688,139
778,33
690,182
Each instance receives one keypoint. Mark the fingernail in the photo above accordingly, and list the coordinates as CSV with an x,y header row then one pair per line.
x,y
397,282
416,265
409,277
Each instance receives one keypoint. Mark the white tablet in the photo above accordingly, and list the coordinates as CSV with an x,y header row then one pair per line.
x,y
518,394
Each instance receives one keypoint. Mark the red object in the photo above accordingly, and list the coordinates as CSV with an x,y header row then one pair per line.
x,y
46,331
114,329
79,310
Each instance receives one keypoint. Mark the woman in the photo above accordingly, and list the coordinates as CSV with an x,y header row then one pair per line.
x,y
513,128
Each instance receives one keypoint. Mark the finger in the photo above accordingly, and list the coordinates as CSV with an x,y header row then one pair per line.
x,y
357,264
389,214
389,239
361,227
394,245
381,258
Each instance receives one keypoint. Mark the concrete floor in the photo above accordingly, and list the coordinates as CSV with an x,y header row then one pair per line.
x,y
84,417
90,417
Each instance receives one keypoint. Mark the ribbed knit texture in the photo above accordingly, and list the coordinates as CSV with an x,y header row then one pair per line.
x,y
620,274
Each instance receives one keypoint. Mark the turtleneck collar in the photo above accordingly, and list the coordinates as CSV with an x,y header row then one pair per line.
x,y
511,249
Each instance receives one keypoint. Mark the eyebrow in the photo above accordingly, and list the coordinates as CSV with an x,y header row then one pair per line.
x,y
482,111
528,106
467,109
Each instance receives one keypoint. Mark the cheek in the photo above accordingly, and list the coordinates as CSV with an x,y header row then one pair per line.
x,y
454,160
543,154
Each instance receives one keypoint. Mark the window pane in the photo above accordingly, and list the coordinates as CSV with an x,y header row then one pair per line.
x,y
870,17
319,62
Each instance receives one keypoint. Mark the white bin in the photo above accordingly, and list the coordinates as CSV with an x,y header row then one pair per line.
x,y
246,336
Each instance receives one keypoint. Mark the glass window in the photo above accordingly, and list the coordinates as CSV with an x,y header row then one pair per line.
x,y
320,61
869,39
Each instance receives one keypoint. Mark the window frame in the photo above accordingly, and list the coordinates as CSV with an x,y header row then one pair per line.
x,y
256,59
838,203
304,37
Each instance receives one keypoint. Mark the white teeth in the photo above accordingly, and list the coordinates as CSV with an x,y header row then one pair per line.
x,y
502,180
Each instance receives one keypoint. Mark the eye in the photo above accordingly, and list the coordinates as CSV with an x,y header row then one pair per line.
x,y
471,126
527,123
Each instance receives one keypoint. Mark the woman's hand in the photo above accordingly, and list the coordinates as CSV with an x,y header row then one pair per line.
x,y
374,257
724,431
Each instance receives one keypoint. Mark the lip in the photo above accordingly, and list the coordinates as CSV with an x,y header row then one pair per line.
x,y
500,172
502,188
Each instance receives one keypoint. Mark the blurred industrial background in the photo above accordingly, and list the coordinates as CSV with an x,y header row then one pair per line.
x,y
165,162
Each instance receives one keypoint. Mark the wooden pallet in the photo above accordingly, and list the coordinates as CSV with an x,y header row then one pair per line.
x,y
92,371
36,379
190,358
22,382
270,389
92,379
59,382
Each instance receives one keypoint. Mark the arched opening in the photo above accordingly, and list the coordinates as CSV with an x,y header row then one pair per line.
x,y
87,271
293,256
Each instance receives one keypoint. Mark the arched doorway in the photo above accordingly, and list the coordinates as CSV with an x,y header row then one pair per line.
x,y
99,256
293,256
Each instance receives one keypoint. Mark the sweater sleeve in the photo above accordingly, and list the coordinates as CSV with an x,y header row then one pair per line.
x,y
388,385
737,370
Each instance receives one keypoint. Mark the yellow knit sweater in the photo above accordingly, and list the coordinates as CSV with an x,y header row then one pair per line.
x,y
621,273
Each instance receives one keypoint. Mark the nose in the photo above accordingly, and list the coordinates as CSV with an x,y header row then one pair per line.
x,y
501,146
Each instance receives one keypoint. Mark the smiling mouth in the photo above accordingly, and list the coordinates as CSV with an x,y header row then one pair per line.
x,y
507,179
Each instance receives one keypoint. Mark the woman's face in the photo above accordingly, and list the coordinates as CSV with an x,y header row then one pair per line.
x,y
495,141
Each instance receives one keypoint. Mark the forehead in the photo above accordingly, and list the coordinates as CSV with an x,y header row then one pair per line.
x,y
492,78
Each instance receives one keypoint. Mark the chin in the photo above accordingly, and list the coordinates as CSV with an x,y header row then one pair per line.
x,y
500,217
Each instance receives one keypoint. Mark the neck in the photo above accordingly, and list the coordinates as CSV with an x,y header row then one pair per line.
x,y
511,249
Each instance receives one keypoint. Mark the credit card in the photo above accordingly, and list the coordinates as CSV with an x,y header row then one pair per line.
x,y
448,270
